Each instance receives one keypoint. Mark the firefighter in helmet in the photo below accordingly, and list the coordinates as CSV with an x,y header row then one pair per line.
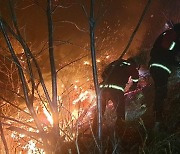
x,y
115,77
163,57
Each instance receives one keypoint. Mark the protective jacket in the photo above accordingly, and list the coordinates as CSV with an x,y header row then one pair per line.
x,y
163,58
164,50
117,74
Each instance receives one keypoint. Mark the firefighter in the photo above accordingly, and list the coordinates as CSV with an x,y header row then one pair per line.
x,y
163,57
115,77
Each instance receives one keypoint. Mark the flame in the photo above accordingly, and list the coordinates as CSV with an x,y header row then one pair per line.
x,y
14,135
75,87
82,107
98,60
31,148
75,114
107,57
48,116
86,63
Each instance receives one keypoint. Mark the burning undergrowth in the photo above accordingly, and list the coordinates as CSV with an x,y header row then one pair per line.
x,y
76,110
75,118
23,135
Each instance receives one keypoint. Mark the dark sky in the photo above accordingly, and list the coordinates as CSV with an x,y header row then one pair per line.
x,y
114,26
116,22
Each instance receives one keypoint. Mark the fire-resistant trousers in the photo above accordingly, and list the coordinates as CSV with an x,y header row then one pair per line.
x,y
117,97
160,78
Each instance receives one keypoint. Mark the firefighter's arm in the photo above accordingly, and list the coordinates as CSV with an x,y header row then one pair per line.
x,y
134,78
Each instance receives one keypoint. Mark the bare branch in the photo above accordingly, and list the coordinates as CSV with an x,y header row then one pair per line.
x,y
36,2
28,133
25,46
14,105
74,24
20,122
14,19
3,139
61,6
136,29
71,62
14,92
94,69
21,74
53,69
84,9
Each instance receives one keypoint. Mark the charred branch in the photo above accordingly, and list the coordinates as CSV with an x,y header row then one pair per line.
x,y
26,48
15,106
20,122
94,69
136,29
21,74
3,139
53,68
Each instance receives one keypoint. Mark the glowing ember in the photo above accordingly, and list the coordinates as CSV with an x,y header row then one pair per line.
x,y
75,87
98,60
86,63
81,97
107,57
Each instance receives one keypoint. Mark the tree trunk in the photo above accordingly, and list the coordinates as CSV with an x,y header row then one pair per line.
x,y
95,76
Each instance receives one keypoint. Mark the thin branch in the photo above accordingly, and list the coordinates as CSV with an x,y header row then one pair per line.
x,y
53,69
3,139
14,92
21,74
70,43
25,46
14,19
74,24
37,3
28,133
136,29
61,6
94,69
131,38
84,10
28,6
14,105
71,62
20,122
42,49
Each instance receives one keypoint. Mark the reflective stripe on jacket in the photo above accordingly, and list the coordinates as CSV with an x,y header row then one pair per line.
x,y
160,66
112,86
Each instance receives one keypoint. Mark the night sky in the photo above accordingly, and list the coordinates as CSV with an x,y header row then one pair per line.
x,y
116,22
